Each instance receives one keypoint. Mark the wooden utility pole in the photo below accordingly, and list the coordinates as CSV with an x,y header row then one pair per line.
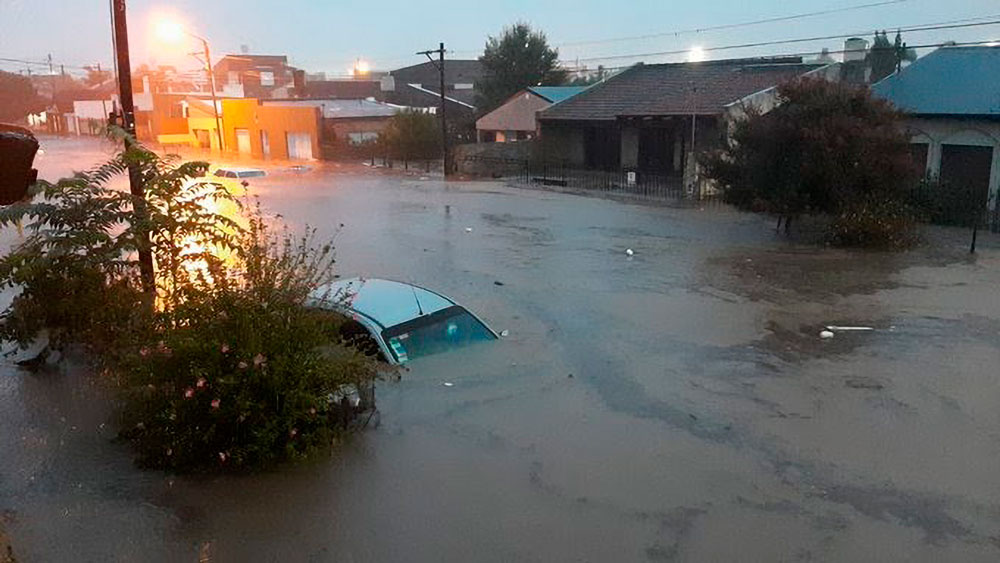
x,y
128,123
444,124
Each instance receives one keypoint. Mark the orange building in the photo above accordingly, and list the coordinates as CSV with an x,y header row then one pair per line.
x,y
273,131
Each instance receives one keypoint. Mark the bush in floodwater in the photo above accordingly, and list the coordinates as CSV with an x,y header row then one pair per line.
x,y
225,367
874,222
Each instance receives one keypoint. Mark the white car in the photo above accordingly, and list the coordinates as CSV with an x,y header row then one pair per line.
x,y
239,173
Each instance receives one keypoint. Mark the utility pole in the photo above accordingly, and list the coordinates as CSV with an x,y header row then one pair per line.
x,y
215,101
128,123
444,125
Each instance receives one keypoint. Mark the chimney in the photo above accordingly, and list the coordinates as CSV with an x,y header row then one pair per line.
x,y
855,49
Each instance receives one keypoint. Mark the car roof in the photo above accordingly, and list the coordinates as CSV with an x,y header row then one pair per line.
x,y
386,302
238,170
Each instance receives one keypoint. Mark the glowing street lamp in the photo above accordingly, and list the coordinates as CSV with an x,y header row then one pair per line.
x,y
170,31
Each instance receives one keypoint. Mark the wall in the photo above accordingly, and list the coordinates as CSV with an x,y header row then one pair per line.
x,y
517,114
948,131
486,159
558,142
342,128
275,119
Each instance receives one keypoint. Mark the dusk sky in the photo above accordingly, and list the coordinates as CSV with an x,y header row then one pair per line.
x,y
329,36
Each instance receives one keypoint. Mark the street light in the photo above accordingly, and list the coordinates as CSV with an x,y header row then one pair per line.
x,y
173,32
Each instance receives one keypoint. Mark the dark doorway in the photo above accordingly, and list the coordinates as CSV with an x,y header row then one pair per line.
x,y
967,168
918,153
602,147
656,150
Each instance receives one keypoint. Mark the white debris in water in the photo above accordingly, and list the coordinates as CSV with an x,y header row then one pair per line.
x,y
468,229
825,334
849,328
504,333
629,252
448,384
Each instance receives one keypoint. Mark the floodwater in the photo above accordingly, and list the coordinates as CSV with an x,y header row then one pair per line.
x,y
677,405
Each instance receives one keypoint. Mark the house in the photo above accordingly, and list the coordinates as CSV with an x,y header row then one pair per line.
x,y
515,119
952,101
253,76
420,85
349,89
653,118
351,122
279,130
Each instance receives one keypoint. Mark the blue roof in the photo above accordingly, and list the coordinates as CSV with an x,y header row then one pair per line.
x,y
948,81
556,94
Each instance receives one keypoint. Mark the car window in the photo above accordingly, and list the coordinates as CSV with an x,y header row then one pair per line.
x,y
220,173
251,174
357,336
438,332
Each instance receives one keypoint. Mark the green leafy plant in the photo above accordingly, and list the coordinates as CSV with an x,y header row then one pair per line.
x,y
224,366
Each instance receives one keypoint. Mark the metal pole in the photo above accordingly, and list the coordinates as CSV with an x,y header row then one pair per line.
x,y
215,101
444,125
128,122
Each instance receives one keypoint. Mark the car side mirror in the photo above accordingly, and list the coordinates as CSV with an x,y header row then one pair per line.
x,y
18,147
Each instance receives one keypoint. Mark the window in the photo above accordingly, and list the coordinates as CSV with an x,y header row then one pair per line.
x,y
362,137
233,77
464,86
176,111
266,78
437,332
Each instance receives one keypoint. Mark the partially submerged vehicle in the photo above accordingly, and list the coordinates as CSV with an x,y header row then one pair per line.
x,y
398,321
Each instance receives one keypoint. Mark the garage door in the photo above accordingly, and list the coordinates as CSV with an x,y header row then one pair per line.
x,y
967,168
300,146
243,141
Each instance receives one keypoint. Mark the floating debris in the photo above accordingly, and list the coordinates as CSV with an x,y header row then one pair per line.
x,y
825,334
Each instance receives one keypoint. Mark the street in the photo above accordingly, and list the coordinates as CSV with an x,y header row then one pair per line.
x,y
675,404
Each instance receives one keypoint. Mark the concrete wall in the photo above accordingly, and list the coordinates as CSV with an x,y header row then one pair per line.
x,y
497,158
517,114
278,121
936,132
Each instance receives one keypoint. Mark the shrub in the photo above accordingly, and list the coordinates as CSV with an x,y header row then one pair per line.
x,y
223,366
241,374
874,222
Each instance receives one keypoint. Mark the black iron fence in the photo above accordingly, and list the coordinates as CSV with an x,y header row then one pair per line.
x,y
940,203
619,181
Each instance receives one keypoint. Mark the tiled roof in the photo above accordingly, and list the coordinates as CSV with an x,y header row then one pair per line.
x,y
674,89
340,109
556,94
948,81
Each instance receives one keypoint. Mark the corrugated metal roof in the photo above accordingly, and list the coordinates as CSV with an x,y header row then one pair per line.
x,y
674,89
556,94
948,81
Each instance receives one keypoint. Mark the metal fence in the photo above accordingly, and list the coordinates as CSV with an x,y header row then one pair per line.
x,y
619,181
939,203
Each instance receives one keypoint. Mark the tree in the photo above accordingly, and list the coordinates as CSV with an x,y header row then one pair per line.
x,y
884,58
519,58
17,98
826,148
412,135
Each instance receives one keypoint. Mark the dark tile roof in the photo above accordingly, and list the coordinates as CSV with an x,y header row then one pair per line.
x,y
456,71
343,89
674,89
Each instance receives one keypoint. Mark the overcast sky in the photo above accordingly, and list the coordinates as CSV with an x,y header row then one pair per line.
x,y
325,35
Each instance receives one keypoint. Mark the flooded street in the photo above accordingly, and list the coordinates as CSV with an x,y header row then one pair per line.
x,y
673,405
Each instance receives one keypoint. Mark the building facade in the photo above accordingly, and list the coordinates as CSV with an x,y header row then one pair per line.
x,y
516,118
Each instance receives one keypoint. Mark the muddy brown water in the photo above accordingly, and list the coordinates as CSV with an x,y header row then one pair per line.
x,y
677,405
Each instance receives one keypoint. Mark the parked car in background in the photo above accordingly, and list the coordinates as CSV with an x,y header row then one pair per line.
x,y
398,321
239,173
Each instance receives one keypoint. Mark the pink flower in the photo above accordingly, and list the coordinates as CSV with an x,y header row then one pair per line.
x,y
293,432
222,457
188,393
224,348
215,403
201,383
243,365
259,360
143,351
170,451
312,410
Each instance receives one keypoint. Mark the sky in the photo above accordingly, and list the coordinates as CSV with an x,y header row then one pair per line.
x,y
328,36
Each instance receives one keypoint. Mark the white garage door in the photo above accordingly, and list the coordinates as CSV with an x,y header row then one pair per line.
x,y
300,146
243,141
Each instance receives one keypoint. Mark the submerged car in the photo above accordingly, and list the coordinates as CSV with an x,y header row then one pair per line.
x,y
239,173
399,321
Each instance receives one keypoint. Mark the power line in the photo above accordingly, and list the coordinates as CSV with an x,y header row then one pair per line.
x,y
732,25
764,58
925,27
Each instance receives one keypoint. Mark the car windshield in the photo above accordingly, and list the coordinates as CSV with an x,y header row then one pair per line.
x,y
438,332
251,174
